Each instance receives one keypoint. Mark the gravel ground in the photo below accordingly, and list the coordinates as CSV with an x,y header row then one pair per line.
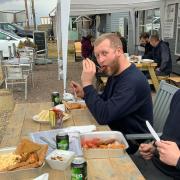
x,y
3,122
45,82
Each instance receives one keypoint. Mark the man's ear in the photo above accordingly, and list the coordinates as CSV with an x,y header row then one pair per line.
x,y
120,50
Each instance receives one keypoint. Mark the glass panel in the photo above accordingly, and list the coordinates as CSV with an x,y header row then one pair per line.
x,y
178,42
3,36
149,21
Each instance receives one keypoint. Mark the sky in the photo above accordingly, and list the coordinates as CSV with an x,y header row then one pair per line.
x,y
42,7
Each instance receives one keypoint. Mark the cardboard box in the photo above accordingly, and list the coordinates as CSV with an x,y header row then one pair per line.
x,y
21,173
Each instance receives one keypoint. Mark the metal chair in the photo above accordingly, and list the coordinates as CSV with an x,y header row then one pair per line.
x,y
14,75
28,54
160,110
41,56
1,71
10,52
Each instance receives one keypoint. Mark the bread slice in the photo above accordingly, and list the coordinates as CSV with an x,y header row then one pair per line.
x,y
26,146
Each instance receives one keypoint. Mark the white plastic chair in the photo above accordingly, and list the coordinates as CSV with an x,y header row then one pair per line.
x,y
41,56
161,108
14,75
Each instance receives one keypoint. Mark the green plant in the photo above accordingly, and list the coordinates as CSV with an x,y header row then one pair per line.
x,y
26,43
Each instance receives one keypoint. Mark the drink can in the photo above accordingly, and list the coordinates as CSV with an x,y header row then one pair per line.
x,y
55,98
79,169
62,141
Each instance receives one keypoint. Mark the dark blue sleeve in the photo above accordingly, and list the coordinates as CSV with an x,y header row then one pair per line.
x,y
164,56
178,164
121,103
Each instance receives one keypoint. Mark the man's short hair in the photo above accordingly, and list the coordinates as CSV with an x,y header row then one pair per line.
x,y
144,35
112,37
155,37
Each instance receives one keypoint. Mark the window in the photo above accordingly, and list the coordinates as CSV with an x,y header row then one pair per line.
x,y
149,21
72,24
177,46
11,27
3,36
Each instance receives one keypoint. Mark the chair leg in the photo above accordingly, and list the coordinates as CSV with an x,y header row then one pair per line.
x,y
6,84
25,89
32,79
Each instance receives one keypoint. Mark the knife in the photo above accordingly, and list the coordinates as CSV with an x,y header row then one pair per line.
x,y
152,131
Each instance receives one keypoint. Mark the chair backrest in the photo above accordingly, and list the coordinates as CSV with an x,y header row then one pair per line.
x,y
13,72
10,52
77,47
162,104
14,49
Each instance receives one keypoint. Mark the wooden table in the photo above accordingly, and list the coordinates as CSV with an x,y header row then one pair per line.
x,y
21,124
150,67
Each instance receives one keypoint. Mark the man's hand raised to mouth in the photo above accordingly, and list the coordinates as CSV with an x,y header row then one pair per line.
x,y
88,73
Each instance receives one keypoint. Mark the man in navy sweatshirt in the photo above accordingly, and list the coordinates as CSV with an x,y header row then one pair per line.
x,y
126,102
166,154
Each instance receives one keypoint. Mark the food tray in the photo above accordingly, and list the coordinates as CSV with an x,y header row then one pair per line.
x,y
104,153
21,173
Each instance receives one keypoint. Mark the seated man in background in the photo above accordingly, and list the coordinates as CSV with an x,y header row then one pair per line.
x,y
166,154
126,102
161,55
144,42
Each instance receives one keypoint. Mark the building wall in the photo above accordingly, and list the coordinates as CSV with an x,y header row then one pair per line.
x,y
115,20
112,25
108,23
112,21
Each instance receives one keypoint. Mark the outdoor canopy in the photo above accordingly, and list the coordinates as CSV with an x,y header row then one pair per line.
x,y
65,8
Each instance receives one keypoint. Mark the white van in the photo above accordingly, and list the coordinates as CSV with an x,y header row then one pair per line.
x,y
7,39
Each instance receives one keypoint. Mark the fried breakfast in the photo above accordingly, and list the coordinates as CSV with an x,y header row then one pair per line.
x,y
27,155
74,105
103,144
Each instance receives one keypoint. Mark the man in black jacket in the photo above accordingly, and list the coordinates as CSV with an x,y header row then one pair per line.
x,y
144,42
126,101
161,55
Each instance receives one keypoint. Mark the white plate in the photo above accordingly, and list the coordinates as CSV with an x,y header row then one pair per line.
x,y
35,118
147,60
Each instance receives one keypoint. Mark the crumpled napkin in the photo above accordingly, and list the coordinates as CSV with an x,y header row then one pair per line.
x,y
68,96
81,129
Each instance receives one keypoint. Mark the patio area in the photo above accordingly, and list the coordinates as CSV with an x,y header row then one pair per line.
x,y
45,82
